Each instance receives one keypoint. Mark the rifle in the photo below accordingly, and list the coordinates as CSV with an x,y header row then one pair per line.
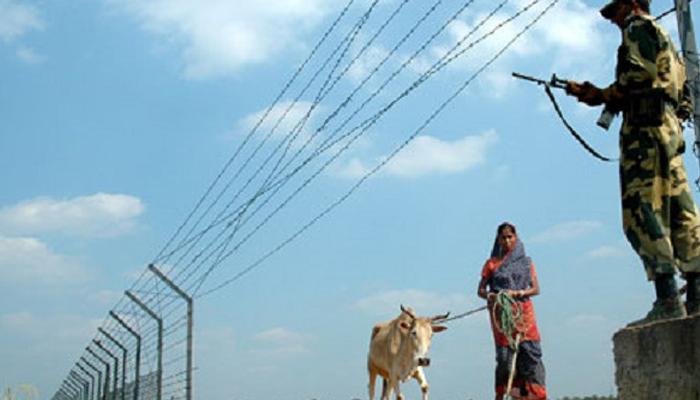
x,y
606,116
554,82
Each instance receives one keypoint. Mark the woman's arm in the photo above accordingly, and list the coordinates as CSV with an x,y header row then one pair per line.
x,y
533,290
481,291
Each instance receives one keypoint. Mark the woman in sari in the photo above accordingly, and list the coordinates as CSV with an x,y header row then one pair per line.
x,y
509,274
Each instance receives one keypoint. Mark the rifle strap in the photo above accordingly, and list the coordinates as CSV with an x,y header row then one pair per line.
x,y
573,132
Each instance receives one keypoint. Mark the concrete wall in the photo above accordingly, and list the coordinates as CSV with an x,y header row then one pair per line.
x,y
659,361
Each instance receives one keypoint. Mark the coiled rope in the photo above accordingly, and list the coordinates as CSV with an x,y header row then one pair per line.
x,y
508,319
507,315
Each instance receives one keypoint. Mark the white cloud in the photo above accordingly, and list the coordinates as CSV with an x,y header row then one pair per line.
x,y
280,341
387,304
429,155
29,261
278,335
284,118
572,28
218,37
571,37
62,328
607,251
566,231
17,19
29,56
100,215
369,60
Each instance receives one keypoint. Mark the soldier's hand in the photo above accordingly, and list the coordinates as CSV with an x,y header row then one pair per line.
x,y
573,88
585,92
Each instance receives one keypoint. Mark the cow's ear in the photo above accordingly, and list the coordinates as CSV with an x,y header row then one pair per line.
x,y
438,328
404,325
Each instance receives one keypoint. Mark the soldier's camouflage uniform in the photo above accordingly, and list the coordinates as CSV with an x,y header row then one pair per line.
x,y
660,218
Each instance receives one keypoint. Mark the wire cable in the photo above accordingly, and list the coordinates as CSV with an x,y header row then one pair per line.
x,y
387,159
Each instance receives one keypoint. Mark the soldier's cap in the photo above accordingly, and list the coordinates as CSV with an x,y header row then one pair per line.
x,y
609,10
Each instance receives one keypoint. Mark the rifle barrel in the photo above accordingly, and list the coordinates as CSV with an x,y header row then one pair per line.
x,y
553,82
529,78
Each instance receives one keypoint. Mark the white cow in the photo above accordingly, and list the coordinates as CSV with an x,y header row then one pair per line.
x,y
398,350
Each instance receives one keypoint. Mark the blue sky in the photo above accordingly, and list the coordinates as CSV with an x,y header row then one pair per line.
x,y
115,115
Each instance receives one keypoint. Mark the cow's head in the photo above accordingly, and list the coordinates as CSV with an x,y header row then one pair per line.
x,y
419,331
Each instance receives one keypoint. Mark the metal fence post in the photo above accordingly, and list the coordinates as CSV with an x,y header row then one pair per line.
x,y
124,358
99,376
59,395
68,390
190,312
689,47
116,366
84,384
137,368
74,387
92,380
159,321
107,375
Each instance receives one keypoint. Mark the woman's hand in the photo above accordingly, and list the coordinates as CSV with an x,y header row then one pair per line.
x,y
491,297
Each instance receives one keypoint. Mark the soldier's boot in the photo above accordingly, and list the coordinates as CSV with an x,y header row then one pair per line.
x,y
692,304
668,304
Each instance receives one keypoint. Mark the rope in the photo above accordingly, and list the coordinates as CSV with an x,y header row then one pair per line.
x,y
507,315
571,129
465,314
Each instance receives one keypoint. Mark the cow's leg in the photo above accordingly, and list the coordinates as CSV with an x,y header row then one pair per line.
x,y
386,389
370,386
420,377
396,388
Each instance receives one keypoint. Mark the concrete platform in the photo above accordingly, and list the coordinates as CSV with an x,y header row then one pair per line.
x,y
660,361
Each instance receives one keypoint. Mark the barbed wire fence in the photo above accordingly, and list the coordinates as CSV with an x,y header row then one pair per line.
x,y
143,348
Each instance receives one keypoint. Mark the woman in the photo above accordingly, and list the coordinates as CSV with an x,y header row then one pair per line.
x,y
509,271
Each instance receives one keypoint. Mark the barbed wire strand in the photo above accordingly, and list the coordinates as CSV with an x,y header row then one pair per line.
x,y
363,128
371,120
345,44
286,87
387,159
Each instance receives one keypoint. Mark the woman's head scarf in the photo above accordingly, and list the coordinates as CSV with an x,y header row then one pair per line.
x,y
514,271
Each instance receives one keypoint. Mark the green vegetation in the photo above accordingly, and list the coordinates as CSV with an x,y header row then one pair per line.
x,y
589,398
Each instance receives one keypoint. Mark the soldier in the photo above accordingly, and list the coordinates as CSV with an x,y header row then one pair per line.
x,y
659,215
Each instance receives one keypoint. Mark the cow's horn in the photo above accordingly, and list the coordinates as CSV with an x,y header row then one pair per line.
x,y
438,318
408,312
